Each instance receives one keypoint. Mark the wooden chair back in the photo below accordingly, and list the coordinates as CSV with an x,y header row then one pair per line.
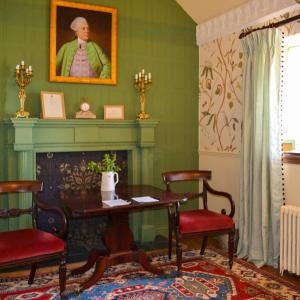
x,y
21,186
189,175
30,186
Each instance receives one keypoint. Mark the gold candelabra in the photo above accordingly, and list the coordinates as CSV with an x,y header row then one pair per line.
x,y
142,83
23,78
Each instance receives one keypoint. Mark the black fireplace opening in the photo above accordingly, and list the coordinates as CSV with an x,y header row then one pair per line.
x,y
60,171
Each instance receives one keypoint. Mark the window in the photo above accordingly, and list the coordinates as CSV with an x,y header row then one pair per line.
x,y
291,95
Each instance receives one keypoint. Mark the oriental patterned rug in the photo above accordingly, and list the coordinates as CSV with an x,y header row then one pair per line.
x,y
204,277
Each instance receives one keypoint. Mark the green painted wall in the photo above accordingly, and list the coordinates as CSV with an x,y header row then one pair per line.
x,y
156,35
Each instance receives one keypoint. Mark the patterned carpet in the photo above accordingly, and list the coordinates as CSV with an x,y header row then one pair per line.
x,y
205,277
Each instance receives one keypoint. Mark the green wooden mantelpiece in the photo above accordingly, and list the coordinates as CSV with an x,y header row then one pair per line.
x,y
23,138
49,135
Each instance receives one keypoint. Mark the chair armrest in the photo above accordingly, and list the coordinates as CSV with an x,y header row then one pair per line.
x,y
222,194
46,207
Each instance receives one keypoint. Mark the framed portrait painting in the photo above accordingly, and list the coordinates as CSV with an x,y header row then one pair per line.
x,y
83,43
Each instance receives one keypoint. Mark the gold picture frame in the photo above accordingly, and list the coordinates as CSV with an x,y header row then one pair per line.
x,y
53,106
113,112
98,43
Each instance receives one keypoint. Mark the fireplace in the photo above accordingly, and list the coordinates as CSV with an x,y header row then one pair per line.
x,y
61,171
27,139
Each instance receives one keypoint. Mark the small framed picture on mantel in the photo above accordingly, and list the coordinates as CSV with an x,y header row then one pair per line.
x,y
53,106
113,112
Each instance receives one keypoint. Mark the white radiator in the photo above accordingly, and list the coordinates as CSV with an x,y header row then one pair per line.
x,y
290,239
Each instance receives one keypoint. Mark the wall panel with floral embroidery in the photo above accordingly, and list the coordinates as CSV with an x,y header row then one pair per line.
x,y
220,112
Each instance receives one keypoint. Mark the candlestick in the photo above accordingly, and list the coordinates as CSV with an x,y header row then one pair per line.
x,y
23,78
142,83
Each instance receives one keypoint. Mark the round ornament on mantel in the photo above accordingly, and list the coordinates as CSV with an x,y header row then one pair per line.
x,y
85,112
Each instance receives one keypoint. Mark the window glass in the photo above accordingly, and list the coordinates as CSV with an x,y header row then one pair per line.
x,y
291,94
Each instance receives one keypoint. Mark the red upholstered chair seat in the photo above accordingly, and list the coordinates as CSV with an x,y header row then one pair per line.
x,y
203,220
27,243
31,246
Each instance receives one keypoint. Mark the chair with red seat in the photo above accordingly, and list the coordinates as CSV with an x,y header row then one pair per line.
x,y
31,245
199,222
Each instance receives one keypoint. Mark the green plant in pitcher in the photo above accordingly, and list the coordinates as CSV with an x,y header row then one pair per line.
x,y
108,164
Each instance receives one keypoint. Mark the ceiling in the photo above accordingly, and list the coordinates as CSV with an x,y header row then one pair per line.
x,y
203,10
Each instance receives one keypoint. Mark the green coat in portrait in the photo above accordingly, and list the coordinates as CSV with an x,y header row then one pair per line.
x,y
96,56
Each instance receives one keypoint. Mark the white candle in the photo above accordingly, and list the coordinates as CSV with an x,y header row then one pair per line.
x,y
136,76
17,67
143,71
22,63
30,68
149,76
146,77
26,71
140,75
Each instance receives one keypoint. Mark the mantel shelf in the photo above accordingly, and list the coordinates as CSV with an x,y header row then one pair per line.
x,y
42,135
80,122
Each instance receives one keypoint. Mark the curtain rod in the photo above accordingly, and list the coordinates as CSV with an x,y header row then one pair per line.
x,y
272,25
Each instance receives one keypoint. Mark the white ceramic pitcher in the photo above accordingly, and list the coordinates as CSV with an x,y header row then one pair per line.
x,y
109,181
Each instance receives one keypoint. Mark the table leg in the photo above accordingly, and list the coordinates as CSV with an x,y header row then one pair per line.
x,y
144,261
119,242
106,261
101,265
93,257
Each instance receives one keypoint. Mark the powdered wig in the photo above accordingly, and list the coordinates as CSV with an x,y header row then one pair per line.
x,y
76,22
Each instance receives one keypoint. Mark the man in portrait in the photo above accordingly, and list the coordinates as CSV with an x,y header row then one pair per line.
x,y
82,57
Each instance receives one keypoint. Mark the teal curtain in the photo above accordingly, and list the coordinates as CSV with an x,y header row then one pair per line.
x,y
261,181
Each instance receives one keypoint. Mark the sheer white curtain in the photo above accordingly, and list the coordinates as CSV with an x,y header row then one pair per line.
x,y
261,186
